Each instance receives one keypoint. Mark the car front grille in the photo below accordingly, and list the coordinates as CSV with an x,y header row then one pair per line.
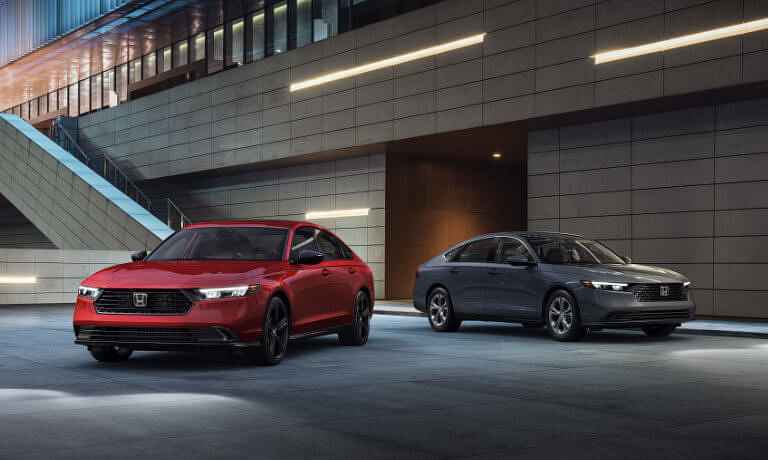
x,y
651,315
159,302
653,292
172,335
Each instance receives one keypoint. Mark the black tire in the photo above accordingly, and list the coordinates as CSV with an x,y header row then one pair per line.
x,y
659,330
111,354
440,311
274,333
357,334
561,315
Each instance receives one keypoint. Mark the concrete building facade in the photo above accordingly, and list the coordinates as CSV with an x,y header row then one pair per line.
x,y
659,155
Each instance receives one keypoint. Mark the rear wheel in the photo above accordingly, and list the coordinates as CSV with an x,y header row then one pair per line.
x,y
111,354
357,334
659,330
562,317
440,311
274,335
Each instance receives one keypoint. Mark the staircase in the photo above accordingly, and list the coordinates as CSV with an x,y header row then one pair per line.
x,y
77,206
164,209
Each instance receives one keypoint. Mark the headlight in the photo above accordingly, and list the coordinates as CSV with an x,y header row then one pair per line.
x,y
226,292
605,285
89,292
687,284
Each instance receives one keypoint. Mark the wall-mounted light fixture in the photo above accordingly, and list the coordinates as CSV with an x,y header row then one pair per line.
x,y
18,280
682,41
496,155
338,213
389,62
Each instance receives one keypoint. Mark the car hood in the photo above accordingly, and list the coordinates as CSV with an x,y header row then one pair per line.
x,y
181,274
620,273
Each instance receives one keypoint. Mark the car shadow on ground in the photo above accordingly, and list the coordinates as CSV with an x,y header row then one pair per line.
x,y
540,333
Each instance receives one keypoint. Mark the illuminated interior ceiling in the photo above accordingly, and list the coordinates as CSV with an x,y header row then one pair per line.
x,y
135,29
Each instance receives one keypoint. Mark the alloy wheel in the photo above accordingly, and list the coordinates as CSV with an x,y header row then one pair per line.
x,y
560,315
438,309
362,317
276,330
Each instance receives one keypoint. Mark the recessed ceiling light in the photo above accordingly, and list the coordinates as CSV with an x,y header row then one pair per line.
x,y
496,155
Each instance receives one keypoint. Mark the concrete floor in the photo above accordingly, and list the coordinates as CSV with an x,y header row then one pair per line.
x,y
488,391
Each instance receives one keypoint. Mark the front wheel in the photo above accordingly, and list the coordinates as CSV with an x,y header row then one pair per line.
x,y
357,334
562,317
440,311
111,354
274,335
659,330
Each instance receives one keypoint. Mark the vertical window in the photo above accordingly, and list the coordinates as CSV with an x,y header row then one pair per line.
x,y
97,91
63,98
256,24
25,111
53,102
134,71
198,47
235,42
180,54
85,96
164,60
121,83
328,23
149,65
33,109
280,28
216,49
72,104
42,104
303,22
108,88
17,110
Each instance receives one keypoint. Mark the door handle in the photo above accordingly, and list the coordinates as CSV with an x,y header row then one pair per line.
x,y
494,272
325,272
454,270
351,270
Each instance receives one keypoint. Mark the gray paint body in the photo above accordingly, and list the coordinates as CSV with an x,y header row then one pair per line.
x,y
504,292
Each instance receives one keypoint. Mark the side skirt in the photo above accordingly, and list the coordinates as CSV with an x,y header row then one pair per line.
x,y
319,332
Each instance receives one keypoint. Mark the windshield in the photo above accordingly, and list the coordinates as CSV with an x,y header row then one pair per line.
x,y
554,249
223,243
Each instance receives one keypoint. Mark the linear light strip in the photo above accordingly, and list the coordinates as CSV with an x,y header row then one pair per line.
x,y
338,213
400,59
18,280
679,42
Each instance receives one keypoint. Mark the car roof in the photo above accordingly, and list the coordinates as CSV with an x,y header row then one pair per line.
x,y
288,224
525,234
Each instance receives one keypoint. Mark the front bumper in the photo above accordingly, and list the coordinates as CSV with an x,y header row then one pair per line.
x,y
208,324
622,309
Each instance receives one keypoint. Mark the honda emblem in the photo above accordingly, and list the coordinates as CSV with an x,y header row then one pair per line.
x,y
139,299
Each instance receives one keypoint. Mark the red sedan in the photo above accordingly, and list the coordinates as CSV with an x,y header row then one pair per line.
x,y
248,286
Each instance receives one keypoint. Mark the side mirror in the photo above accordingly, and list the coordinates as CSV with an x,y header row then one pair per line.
x,y
307,257
138,256
626,259
519,260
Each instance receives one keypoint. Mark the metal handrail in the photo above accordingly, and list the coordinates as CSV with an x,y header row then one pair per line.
x,y
114,175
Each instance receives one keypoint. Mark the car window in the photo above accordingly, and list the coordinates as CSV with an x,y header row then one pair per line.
x,y
511,247
557,249
476,251
451,255
303,239
223,243
330,246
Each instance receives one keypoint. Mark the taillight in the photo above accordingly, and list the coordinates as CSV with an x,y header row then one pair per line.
x,y
417,273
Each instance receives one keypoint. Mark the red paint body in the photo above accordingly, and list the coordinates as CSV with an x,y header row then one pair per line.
x,y
319,296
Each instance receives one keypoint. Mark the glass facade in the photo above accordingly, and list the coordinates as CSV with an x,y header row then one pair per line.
x,y
275,27
279,37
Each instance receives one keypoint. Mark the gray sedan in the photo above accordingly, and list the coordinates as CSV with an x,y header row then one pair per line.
x,y
566,282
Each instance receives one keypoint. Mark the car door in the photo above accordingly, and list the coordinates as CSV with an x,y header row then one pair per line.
x,y
308,285
467,276
341,279
512,294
